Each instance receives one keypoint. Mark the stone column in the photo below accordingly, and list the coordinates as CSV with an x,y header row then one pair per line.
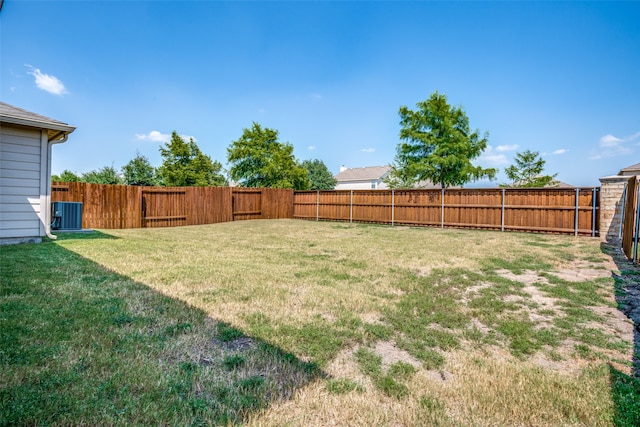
x,y
611,191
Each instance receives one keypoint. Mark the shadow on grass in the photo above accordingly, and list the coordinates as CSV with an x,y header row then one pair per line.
x,y
80,344
625,389
84,235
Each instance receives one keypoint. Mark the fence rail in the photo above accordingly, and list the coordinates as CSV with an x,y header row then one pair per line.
x,y
555,210
121,206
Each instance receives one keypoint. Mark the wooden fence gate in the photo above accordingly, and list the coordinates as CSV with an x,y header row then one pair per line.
x,y
164,207
246,203
631,219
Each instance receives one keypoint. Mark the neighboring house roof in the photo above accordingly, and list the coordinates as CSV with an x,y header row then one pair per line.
x,y
630,170
363,174
57,130
559,184
429,185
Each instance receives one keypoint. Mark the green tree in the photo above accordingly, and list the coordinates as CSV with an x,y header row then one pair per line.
x,y
438,145
398,179
184,165
527,171
258,159
66,176
105,175
139,171
320,178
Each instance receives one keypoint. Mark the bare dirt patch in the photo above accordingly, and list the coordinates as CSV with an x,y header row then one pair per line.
x,y
372,318
580,271
537,296
616,320
439,376
391,354
345,366
527,277
614,323
472,290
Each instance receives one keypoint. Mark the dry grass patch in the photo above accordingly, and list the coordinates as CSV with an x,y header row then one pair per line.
x,y
413,326
471,390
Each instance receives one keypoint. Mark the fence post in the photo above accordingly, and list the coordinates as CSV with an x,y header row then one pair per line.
x,y
594,202
442,211
502,214
351,209
577,209
318,205
393,204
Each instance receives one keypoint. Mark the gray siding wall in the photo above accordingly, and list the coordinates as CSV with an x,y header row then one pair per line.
x,y
21,175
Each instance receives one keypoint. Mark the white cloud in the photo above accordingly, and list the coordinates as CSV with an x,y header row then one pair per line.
x,y
489,157
47,82
368,150
610,141
508,147
560,151
154,136
311,147
612,146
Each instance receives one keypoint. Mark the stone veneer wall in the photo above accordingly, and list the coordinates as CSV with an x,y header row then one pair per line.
x,y
611,191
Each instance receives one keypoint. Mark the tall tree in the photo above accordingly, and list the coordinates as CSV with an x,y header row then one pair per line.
x,y
184,165
66,176
397,178
258,159
320,178
105,175
527,171
438,145
139,171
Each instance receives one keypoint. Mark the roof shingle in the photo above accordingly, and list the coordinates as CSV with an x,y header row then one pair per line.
x,y
19,116
363,174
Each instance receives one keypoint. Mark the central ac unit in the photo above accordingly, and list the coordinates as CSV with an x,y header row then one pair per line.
x,y
66,216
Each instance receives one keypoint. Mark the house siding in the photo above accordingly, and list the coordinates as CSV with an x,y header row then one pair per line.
x,y
361,185
21,172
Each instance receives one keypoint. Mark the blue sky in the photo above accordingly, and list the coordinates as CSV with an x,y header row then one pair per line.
x,y
560,78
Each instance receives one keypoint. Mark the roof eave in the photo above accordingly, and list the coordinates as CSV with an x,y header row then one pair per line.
x,y
60,127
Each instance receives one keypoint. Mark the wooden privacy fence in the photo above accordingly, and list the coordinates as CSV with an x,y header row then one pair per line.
x,y
631,218
548,210
553,210
121,206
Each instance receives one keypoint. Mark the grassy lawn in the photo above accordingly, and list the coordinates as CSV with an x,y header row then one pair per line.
x,y
288,322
